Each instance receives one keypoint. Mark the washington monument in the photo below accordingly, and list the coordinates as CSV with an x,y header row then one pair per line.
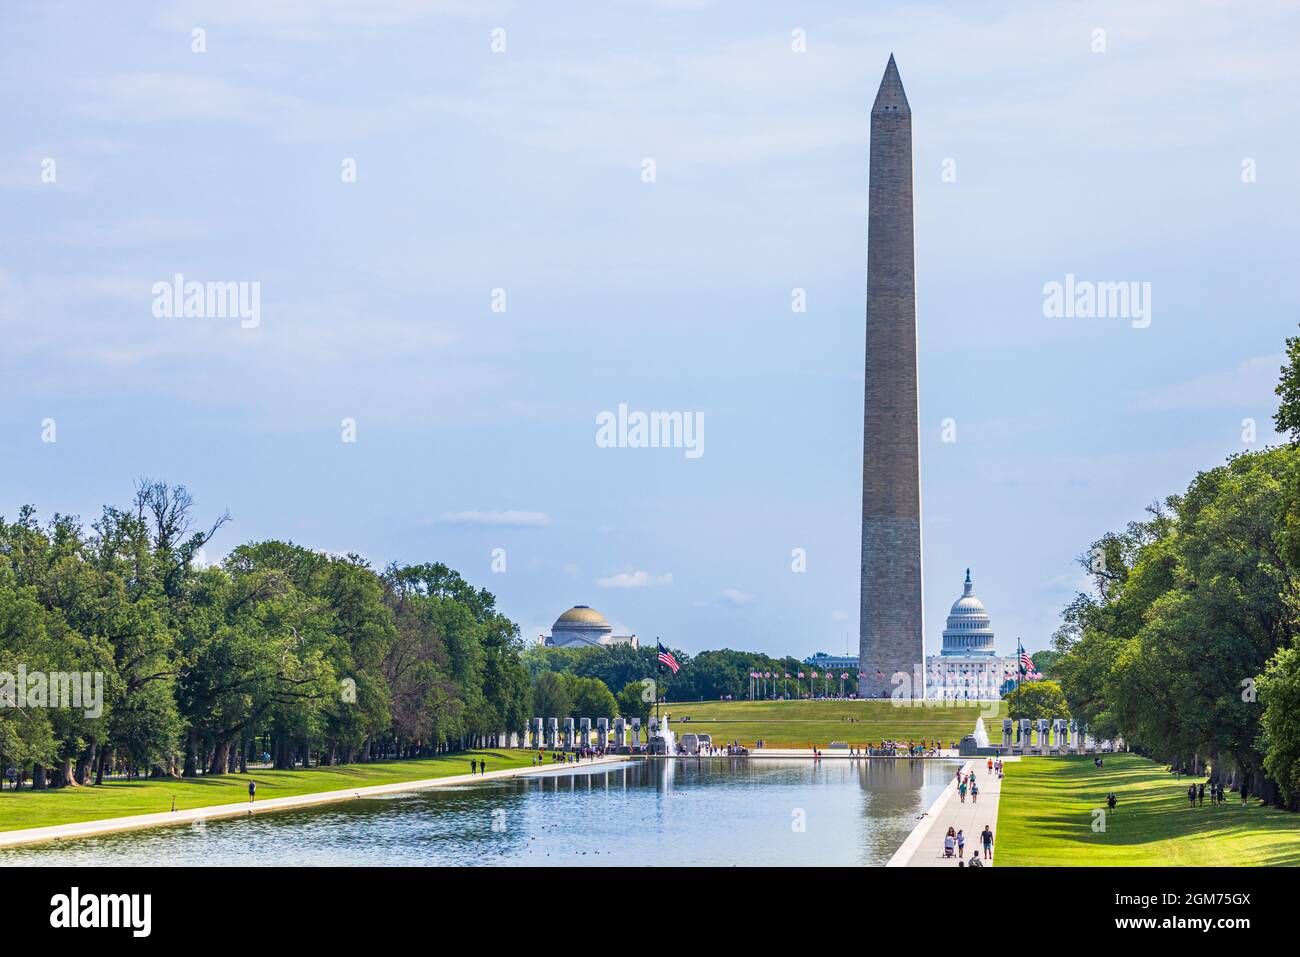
x,y
891,636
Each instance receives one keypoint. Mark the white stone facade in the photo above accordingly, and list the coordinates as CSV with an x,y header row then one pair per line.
x,y
969,667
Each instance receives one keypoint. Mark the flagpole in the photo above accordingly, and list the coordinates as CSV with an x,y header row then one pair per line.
x,y
659,670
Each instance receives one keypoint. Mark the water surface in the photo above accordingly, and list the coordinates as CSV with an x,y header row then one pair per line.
x,y
712,811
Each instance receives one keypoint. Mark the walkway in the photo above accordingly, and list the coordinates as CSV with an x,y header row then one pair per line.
x,y
64,832
924,846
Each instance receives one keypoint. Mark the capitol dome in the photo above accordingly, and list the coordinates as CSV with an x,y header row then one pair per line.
x,y
969,631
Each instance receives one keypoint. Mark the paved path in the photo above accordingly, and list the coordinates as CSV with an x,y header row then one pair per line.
x,y
63,832
924,846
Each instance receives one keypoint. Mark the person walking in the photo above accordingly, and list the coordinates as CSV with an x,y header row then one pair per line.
x,y
1191,795
252,791
974,792
961,789
473,766
1200,795
961,845
986,840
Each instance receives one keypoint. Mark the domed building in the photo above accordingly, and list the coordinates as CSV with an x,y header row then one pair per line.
x,y
968,666
582,626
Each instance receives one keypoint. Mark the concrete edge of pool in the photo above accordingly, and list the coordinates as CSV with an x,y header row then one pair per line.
x,y
81,829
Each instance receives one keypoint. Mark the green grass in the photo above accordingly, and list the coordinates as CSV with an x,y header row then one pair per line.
x,y
27,808
1045,818
802,724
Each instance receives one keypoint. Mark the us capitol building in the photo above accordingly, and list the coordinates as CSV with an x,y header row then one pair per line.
x,y
583,627
968,667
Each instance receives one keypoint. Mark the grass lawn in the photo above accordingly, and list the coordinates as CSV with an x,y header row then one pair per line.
x,y
28,808
802,724
1046,814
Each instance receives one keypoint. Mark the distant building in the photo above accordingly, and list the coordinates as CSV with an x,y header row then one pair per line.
x,y
821,662
968,667
582,626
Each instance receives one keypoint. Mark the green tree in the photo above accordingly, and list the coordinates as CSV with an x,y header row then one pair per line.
x,y
592,699
552,697
1287,417
1279,693
1037,699
636,700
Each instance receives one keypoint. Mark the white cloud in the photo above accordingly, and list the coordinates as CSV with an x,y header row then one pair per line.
x,y
637,579
1249,383
139,231
513,519
167,97
736,596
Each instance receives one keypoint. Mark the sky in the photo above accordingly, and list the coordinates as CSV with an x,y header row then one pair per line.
x,y
503,155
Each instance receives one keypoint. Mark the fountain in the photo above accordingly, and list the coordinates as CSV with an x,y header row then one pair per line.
x,y
981,735
662,740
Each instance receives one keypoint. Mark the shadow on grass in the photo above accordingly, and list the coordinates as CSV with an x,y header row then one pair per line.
x,y
1055,803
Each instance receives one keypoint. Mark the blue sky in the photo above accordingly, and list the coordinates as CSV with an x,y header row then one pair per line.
x,y
522,170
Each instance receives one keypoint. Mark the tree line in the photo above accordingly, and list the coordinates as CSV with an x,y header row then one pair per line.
x,y
280,650
625,671
1188,648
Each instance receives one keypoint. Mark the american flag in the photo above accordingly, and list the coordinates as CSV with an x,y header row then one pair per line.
x,y
801,674
1026,663
666,658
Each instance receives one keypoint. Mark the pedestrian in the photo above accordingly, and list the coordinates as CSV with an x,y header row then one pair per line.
x,y
961,789
252,791
1200,795
990,766
961,845
482,767
1191,795
974,792
986,839
1111,800
473,766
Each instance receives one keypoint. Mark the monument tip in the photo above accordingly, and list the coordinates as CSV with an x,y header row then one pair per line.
x,y
891,98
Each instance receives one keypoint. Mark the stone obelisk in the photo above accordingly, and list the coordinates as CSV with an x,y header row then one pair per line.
x,y
891,635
